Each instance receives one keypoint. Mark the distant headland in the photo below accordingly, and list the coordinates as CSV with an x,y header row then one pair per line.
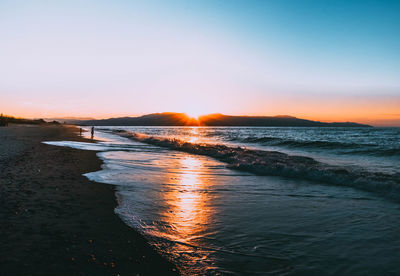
x,y
182,119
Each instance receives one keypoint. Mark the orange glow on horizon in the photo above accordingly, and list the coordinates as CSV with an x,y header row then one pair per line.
x,y
380,111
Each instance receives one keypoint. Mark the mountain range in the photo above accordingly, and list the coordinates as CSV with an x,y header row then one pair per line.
x,y
182,119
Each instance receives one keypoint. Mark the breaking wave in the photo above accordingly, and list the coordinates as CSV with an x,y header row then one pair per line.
x,y
346,148
275,163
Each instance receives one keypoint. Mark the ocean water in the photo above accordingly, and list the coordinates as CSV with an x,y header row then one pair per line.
x,y
259,201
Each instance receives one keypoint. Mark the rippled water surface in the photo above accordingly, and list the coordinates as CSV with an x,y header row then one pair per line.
x,y
211,219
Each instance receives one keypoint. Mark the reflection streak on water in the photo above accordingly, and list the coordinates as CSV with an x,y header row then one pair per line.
x,y
194,135
188,212
186,200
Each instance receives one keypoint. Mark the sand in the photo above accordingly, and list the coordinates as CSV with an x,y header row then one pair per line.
x,y
54,221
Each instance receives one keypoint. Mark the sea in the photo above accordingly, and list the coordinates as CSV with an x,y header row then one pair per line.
x,y
258,200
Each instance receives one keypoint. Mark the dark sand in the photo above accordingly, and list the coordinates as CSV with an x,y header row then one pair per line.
x,y
54,221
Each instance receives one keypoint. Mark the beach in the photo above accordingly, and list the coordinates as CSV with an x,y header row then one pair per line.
x,y
54,221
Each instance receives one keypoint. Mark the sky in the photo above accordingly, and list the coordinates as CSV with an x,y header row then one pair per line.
x,y
320,60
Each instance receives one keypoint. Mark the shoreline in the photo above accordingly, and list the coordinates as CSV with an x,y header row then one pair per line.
x,y
54,221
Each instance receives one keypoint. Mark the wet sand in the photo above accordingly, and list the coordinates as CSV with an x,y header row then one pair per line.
x,y
54,221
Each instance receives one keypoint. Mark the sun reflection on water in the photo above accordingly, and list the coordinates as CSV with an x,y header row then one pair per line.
x,y
186,199
194,135
189,212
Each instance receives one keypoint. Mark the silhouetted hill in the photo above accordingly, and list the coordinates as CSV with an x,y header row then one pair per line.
x,y
181,119
68,120
281,120
156,119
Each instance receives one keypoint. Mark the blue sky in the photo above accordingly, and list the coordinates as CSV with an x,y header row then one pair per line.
x,y
332,60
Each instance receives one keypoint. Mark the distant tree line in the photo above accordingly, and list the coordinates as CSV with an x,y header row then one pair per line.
x,y
5,120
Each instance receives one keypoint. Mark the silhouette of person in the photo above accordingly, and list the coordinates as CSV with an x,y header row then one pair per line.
x,y
80,131
92,132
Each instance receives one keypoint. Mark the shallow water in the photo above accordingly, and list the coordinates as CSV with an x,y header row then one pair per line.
x,y
210,219
373,148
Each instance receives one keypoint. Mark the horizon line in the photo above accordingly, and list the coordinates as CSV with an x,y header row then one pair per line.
x,y
377,122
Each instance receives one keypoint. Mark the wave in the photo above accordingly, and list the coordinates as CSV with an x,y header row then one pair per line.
x,y
275,163
377,152
298,143
348,148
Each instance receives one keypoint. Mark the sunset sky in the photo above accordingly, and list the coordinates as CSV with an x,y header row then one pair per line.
x,y
324,60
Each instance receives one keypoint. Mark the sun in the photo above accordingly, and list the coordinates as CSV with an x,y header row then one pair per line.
x,y
195,114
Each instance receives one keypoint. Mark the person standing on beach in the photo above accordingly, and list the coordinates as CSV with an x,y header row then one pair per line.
x,y
92,131
80,131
